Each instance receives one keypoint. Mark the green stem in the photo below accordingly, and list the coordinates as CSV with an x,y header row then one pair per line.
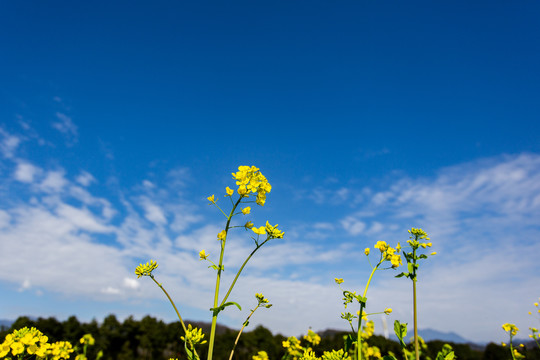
x,y
415,312
417,352
172,303
218,281
362,305
240,271
240,332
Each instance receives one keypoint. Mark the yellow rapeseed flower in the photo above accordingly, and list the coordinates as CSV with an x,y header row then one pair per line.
x,y
203,255
338,280
146,269
229,191
246,210
312,337
261,355
248,225
366,251
273,231
211,199
259,231
381,245
222,235
388,311
434,253
510,328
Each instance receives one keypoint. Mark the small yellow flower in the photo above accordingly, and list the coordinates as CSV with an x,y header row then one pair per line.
x,y
203,255
222,235
229,191
211,199
396,261
248,225
364,314
312,337
511,328
338,280
381,245
273,231
535,304
366,251
259,231
388,311
146,269
87,339
429,244
503,344
246,210
434,253
521,345
261,355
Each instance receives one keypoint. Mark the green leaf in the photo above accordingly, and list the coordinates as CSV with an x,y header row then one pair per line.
x,y
423,256
362,300
450,356
402,274
389,357
348,342
401,331
410,267
218,309
192,355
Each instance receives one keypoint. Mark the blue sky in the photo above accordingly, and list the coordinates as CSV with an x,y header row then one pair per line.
x,y
117,120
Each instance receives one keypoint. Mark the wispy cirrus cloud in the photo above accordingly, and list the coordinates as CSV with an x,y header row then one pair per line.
x,y
66,126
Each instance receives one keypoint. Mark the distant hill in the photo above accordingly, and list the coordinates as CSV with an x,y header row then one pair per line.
x,y
5,323
426,334
430,334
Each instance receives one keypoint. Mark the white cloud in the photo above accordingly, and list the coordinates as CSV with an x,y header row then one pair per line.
x,y
131,283
25,172
153,212
66,126
353,225
8,144
25,285
54,181
85,178
109,290
5,219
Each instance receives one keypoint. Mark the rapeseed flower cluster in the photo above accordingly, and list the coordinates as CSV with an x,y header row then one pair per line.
x,y
262,301
312,338
250,180
32,342
388,253
146,269
194,336
292,347
261,355
510,328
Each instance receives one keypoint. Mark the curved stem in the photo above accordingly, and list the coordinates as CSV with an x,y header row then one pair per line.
x,y
172,303
362,306
240,332
240,271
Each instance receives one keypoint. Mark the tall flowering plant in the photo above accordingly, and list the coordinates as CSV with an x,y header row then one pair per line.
x,y
251,188
418,240
388,258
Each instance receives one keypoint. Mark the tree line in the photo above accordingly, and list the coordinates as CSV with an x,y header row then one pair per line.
x,y
150,338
